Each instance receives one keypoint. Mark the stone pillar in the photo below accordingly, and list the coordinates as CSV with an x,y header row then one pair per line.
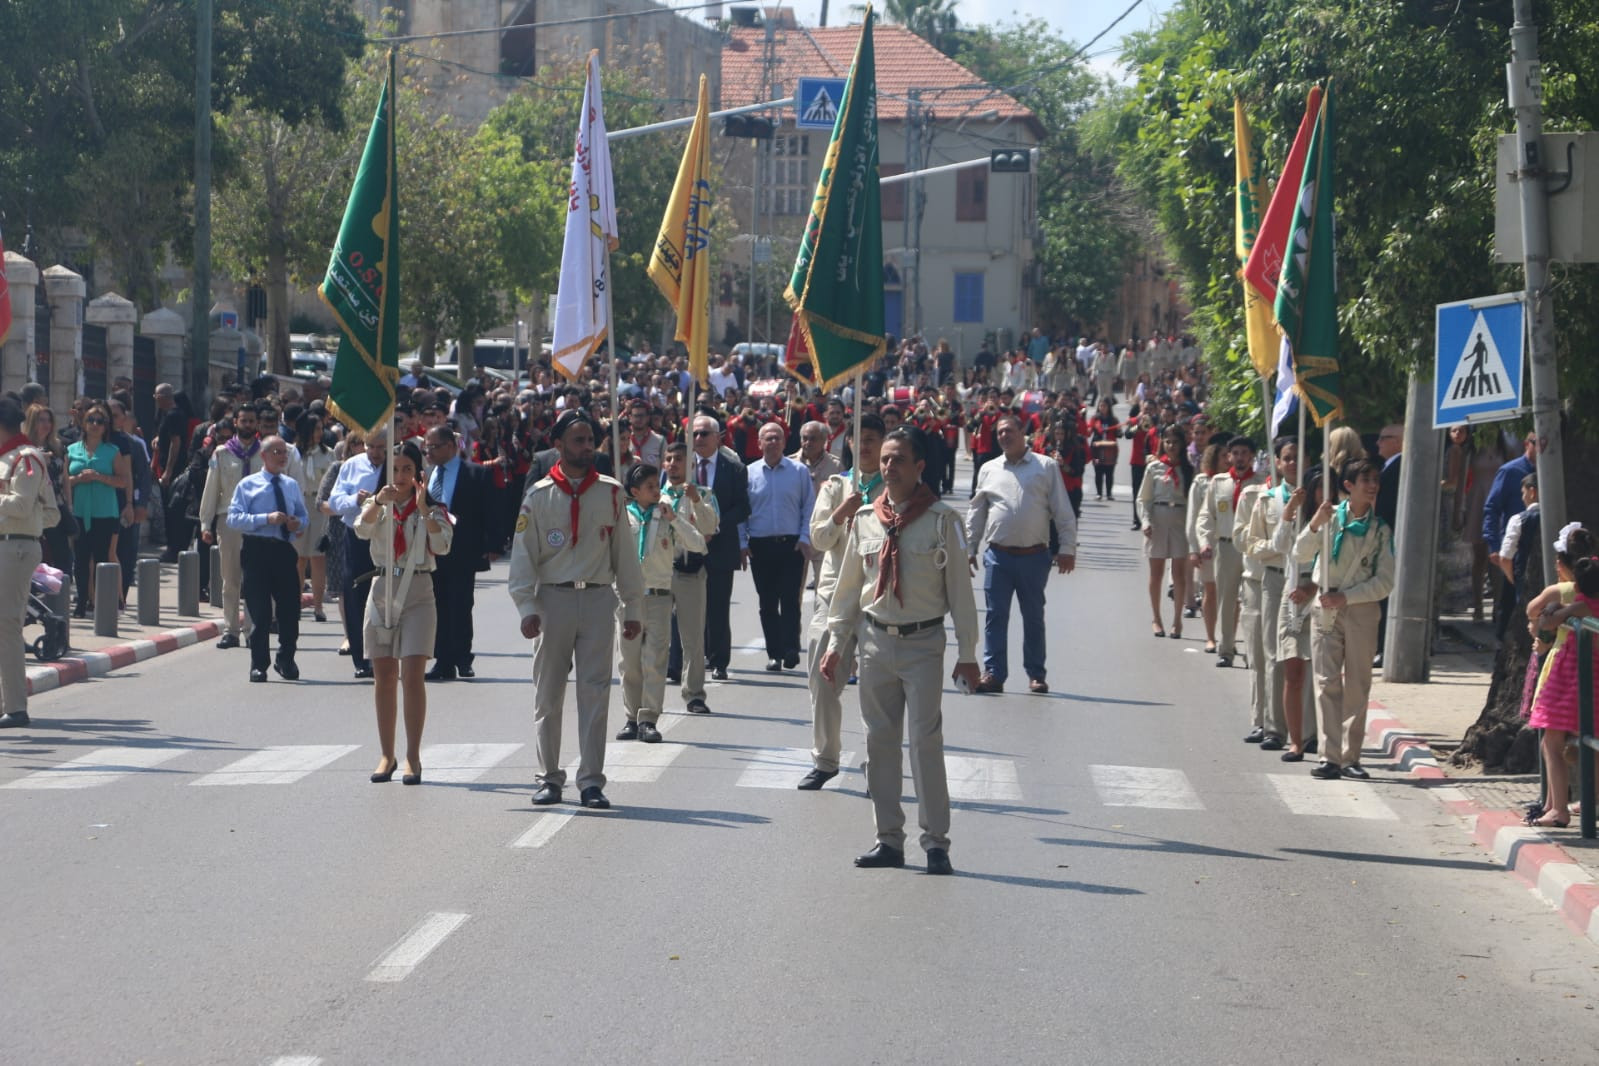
x,y
64,289
169,330
16,362
223,358
118,315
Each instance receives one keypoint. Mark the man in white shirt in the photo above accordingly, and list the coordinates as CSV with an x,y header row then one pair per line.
x,y
1015,501
721,377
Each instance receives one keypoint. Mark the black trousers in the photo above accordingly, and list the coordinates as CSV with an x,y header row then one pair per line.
x,y
977,466
779,572
1104,479
1138,480
454,596
271,590
718,630
1076,496
94,546
357,563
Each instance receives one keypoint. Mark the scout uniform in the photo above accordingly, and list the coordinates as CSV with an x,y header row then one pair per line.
x,y
660,532
901,641
1216,525
1260,511
827,466
1290,639
573,544
1197,494
829,539
688,593
1344,640
27,508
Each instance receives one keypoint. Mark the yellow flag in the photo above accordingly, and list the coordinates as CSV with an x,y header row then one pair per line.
x,y
681,264
1258,322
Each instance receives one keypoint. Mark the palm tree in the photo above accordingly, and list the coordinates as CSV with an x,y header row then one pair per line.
x,y
931,20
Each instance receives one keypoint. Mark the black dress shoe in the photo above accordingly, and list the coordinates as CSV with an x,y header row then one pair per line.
x,y
938,861
440,673
594,798
465,672
1327,771
229,640
698,706
14,720
790,662
674,679
648,733
814,780
1272,742
773,666
1293,756
629,731
1255,736
286,668
719,674
1224,661
881,857
257,674
1356,771
362,673
546,795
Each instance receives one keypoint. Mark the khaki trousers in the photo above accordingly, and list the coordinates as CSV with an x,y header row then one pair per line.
x,y
827,699
643,665
231,542
688,598
580,625
1342,644
1229,586
897,673
1262,599
17,561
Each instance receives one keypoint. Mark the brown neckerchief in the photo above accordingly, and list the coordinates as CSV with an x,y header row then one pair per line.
x,y
894,522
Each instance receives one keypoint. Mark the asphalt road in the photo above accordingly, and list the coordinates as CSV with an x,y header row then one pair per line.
x,y
1135,885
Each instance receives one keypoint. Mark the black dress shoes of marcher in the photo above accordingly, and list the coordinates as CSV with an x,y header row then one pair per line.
x,y
698,706
363,672
257,674
440,673
773,666
1224,660
815,780
594,798
465,672
14,720
629,731
546,795
1327,771
1271,742
881,857
719,674
938,861
286,669
1255,736
648,733
229,640
790,662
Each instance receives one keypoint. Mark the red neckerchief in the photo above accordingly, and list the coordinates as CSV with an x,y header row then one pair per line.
x,y
833,435
558,476
1239,481
19,441
400,515
894,522
1171,469
638,445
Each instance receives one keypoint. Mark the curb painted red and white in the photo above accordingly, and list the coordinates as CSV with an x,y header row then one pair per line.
x,y
65,671
1531,854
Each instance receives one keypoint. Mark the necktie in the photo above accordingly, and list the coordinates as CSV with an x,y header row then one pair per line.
x,y
436,488
704,479
282,504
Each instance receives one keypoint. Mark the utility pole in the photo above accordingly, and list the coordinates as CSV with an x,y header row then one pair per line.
x,y
913,215
1525,78
200,300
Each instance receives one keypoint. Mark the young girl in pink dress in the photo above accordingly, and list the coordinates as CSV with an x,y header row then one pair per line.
x,y
1554,707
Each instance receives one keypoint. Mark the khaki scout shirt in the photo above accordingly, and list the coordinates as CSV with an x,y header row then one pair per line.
x,y
665,538
933,578
1257,539
1364,570
825,467
604,552
706,515
24,481
1216,519
829,537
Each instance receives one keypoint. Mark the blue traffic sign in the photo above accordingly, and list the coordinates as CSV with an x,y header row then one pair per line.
x,y
1480,358
816,102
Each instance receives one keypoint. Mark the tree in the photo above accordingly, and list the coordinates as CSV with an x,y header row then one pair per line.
x,y
934,21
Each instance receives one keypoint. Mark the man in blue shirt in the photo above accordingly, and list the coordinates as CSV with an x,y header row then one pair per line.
x,y
776,542
1504,500
268,508
1038,347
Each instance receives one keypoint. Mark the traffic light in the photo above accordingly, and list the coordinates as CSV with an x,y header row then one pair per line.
x,y
1010,161
750,126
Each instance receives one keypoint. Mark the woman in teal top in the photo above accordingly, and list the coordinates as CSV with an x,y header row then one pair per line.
x,y
96,469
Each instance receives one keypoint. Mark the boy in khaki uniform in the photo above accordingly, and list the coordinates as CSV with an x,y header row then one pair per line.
x,y
688,585
1216,524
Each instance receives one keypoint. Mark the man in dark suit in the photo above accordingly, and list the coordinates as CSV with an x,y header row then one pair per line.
x,y
1390,443
468,491
712,468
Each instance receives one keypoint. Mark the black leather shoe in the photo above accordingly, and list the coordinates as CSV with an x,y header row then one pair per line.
x,y
1272,742
814,780
881,857
594,798
790,662
257,674
648,733
440,673
1255,736
229,640
674,679
773,666
938,861
546,795
1224,661
362,673
698,706
286,668
14,720
1327,771
465,672
629,731
719,674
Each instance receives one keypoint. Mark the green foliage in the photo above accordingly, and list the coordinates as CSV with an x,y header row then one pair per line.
x,y
934,21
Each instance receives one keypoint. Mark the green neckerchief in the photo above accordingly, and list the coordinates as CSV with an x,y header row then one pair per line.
x,y
642,515
1282,492
1342,524
674,492
868,488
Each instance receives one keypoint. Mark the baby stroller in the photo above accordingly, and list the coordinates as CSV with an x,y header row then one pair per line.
x,y
53,642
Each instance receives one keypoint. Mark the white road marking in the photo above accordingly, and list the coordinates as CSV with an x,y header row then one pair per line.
x,y
781,767
282,764
1303,794
456,763
1145,786
398,962
296,1060
629,762
98,767
980,780
539,833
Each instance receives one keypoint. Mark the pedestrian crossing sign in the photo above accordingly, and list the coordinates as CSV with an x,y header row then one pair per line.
x,y
816,102
1480,359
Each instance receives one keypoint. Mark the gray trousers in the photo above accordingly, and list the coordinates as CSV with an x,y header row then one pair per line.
x,y
688,598
580,625
1262,603
1343,643
231,541
17,561
1229,586
643,665
827,698
899,674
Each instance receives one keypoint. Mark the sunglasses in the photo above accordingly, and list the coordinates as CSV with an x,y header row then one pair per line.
x,y
95,421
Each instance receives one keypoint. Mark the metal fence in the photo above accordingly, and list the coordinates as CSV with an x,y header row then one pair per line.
x,y
1583,632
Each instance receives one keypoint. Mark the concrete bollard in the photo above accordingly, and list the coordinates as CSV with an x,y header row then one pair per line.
x,y
107,596
149,592
189,583
216,576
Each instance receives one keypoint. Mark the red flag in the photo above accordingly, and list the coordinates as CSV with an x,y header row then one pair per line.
x,y
5,297
1266,257
797,357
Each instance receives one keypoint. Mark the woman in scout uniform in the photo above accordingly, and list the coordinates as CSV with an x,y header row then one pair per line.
x,y
1163,506
400,619
1217,526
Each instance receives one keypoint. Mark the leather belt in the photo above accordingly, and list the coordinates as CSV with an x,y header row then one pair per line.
x,y
390,571
579,585
17,536
657,592
1031,549
1274,569
1166,503
1225,540
907,629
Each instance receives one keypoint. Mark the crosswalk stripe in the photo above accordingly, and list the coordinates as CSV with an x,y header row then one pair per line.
x,y
98,767
297,1060
1145,786
398,962
458,763
975,779
539,833
280,765
1303,794
629,762
781,767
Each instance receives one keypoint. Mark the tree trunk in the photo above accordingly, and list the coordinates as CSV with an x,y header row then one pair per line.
x,y
277,287
1500,739
428,343
466,348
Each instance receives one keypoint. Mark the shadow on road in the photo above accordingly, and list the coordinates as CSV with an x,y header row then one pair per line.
x,y
1157,846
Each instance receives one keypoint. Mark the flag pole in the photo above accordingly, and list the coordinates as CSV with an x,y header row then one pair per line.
x,y
388,477
610,350
1265,395
1299,466
855,431
1326,495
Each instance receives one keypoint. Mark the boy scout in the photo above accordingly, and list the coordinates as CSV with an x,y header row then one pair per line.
x,y
1260,511
572,545
841,496
904,569
1353,577
661,530
1215,525
688,574
27,508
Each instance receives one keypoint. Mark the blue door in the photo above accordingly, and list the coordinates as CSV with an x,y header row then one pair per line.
x,y
894,312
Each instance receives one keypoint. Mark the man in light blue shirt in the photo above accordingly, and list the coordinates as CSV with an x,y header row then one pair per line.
x,y
360,476
268,508
1038,347
776,542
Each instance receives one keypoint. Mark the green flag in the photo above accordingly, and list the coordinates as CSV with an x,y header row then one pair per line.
x,y
1307,305
837,288
362,285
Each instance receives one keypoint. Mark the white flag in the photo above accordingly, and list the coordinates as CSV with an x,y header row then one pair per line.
x,y
1287,396
581,320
